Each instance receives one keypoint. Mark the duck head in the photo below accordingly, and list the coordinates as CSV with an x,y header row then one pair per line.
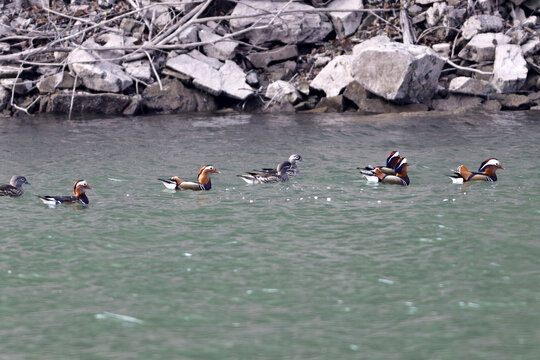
x,y
490,163
283,167
294,158
18,181
204,174
401,168
80,187
392,159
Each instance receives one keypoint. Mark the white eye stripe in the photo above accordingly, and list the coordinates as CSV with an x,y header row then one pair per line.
x,y
493,162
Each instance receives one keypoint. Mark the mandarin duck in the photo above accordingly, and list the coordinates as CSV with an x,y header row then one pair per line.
x,y
262,177
80,197
391,161
486,172
14,188
400,177
293,167
203,182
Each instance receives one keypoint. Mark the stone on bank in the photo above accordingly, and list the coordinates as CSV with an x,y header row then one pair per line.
x,y
397,72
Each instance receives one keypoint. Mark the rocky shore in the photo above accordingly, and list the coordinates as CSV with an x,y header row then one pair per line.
x,y
373,56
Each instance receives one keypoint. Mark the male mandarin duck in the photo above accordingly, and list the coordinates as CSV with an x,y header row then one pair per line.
x,y
486,172
293,167
80,197
203,181
391,161
14,188
262,177
400,177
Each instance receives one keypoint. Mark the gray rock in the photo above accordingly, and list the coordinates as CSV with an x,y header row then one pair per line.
x,y
109,44
482,47
204,76
398,72
215,63
452,18
175,97
86,103
5,97
132,27
160,15
380,40
4,47
491,105
282,71
481,24
532,4
22,87
435,13
229,79
442,49
515,102
456,102
49,84
252,79
281,91
264,58
188,35
518,35
379,106
335,76
293,28
222,50
321,61
470,86
139,69
510,69
96,74
345,23
8,71
233,81
531,47
331,104
134,105
355,93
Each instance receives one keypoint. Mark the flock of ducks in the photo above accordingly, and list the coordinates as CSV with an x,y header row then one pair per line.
x,y
393,172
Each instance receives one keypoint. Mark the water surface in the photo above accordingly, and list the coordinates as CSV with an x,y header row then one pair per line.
x,y
325,266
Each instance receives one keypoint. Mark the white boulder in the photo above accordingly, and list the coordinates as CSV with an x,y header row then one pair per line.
x,y
509,69
97,74
139,69
280,91
233,81
218,49
335,76
230,79
481,24
346,23
288,28
470,86
482,46
397,72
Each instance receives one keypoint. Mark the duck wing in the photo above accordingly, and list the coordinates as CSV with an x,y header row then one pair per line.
x,y
10,190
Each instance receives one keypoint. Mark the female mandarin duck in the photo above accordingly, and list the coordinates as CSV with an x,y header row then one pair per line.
x,y
293,167
80,197
389,168
400,177
203,181
486,172
14,189
281,174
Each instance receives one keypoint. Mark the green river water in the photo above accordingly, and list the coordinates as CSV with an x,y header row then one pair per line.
x,y
325,266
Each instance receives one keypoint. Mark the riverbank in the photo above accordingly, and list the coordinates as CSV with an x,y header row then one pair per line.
x,y
372,56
